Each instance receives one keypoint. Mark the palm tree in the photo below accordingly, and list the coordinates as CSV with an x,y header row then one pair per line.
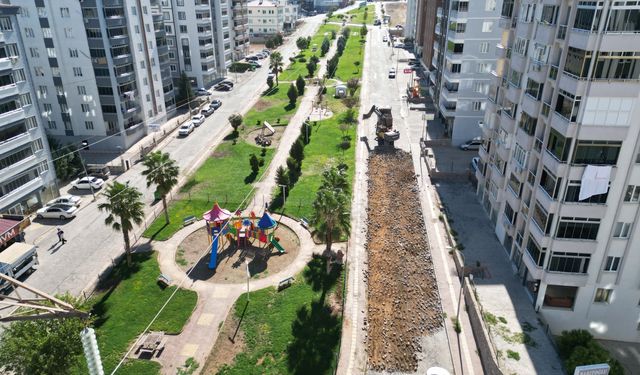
x,y
275,64
162,171
331,214
124,204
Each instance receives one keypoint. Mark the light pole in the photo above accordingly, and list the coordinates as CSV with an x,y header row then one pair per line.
x,y
461,290
284,196
84,167
248,277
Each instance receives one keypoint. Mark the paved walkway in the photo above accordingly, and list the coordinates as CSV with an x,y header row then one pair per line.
x,y
215,300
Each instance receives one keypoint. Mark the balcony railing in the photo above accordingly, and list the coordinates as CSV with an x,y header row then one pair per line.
x,y
562,32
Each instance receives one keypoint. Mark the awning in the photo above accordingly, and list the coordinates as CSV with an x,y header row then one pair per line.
x,y
11,226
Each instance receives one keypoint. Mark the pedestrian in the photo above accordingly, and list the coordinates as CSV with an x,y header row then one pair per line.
x,y
61,236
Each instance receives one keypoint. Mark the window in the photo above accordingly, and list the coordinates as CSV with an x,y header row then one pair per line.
x,y
77,72
528,123
42,12
568,105
182,16
180,3
85,108
51,124
542,219
38,71
5,24
515,78
34,52
31,122
617,65
621,230
64,12
28,32
578,228
577,63
573,194
455,47
73,52
38,145
632,194
612,264
487,26
603,295
43,167
624,20
480,87
82,90
137,29
549,14
520,156
550,183
558,145
484,47
478,106
47,107
94,33
42,91
456,68
88,125
515,185
25,99
490,5
534,89
569,262
588,15
597,152
68,32
183,28
51,52
527,11
520,46
536,252
483,68
458,27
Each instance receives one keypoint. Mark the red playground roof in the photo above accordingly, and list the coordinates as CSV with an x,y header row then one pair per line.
x,y
217,214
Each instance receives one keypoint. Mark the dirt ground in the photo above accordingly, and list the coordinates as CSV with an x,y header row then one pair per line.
x,y
231,268
250,136
402,296
224,351
397,11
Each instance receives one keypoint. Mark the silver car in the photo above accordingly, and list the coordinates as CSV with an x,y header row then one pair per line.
x,y
57,211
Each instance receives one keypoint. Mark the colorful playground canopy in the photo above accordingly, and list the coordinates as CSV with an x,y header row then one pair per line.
x,y
216,214
266,221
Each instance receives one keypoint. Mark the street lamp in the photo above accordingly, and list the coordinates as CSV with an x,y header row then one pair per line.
x,y
284,196
461,288
84,167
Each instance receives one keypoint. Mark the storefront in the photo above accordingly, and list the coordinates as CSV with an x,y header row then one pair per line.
x,y
12,229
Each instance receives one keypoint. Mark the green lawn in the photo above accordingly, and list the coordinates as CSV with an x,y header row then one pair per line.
x,y
353,52
300,68
123,312
292,331
272,106
357,16
224,177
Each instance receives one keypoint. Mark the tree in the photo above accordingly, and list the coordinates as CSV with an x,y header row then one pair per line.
x,y
311,68
162,171
297,150
350,102
332,65
282,178
349,116
333,34
331,206
314,59
42,346
185,91
275,63
301,43
346,33
66,159
340,44
352,86
292,94
324,48
300,85
363,31
270,43
255,163
279,39
270,82
235,120
124,206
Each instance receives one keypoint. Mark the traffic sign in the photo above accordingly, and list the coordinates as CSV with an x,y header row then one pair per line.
x,y
407,70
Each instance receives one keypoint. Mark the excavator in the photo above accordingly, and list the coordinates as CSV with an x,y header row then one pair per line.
x,y
385,134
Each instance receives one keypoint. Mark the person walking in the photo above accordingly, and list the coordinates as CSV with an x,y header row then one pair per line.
x,y
61,236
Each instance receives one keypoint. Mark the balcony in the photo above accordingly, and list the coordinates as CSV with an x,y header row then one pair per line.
x,y
116,21
545,33
11,117
447,109
530,105
9,90
545,200
482,152
518,62
20,166
16,141
554,165
502,51
27,188
507,122
565,279
497,177
563,126
513,93
6,63
524,30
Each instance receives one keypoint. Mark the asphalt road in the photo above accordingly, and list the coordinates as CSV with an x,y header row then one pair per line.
x,y
91,244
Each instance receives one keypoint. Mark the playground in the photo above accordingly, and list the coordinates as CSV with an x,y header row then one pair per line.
x,y
263,244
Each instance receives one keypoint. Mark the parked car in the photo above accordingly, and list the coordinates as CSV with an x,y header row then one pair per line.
x,y
255,64
58,211
202,92
198,119
86,183
251,58
215,104
399,26
186,129
384,38
377,22
227,83
207,111
65,199
471,145
267,51
398,45
474,163
222,87
392,73
100,171
261,55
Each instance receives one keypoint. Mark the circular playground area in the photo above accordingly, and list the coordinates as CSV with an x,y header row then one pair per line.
x,y
242,243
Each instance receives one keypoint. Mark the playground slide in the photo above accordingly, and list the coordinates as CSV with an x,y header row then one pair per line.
x,y
277,245
213,260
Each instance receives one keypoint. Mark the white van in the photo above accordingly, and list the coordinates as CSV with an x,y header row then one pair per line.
x,y
17,259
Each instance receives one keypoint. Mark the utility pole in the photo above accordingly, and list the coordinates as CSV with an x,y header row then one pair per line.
x,y
84,167
91,351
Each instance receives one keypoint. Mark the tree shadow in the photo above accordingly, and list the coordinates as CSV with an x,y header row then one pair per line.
x,y
290,107
250,178
157,232
232,136
270,92
316,333
315,274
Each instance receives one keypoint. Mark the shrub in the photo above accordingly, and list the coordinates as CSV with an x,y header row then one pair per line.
x,y
513,355
300,85
292,94
302,59
569,340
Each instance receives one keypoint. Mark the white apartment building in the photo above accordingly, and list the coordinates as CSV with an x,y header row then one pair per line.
x,y
27,175
205,37
560,166
268,18
411,19
464,56
100,68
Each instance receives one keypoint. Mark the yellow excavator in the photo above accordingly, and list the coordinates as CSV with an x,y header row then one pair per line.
x,y
385,134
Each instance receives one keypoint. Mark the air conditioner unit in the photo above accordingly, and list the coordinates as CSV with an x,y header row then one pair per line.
x,y
14,59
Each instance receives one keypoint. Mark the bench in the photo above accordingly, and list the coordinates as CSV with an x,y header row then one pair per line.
x,y
189,220
284,284
163,280
304,222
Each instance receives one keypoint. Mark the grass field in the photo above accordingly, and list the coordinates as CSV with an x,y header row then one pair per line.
x,y
293,331
300,68
351,61
272,106
224,177
123,312
357,16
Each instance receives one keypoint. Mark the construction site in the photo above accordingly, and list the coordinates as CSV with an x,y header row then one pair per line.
x,y
403,303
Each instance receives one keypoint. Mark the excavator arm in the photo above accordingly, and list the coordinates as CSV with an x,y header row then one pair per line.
x,y
368,114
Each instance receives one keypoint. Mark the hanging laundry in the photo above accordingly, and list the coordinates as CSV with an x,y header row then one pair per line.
x,y
595,181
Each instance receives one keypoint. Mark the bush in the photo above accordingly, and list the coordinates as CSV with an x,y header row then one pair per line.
x,y
292,59
302,59
569,340
577,347
239,67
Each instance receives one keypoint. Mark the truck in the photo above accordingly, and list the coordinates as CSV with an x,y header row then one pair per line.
x,y
15,261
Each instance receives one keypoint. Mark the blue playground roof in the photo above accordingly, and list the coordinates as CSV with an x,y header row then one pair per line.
x,y
266,221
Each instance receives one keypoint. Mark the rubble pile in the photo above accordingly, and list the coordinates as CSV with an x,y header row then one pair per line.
x,y
402,296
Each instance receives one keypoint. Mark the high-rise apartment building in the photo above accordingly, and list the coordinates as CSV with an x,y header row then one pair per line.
x,y
268,18
206,37
425,25
27,175
99,66
559,171
464,56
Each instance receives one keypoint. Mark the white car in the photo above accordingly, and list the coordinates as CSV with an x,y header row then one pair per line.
x,y
198,119
392,73
398,45
65,199
384,38
86,183
58,211
202,92
186,129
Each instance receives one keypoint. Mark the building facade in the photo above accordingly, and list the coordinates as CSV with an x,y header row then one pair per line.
x,y
559,170
98,68
425,26
268,18
464,56
410,19
27,175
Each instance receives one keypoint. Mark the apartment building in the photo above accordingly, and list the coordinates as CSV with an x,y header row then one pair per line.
x,y
464,56
205,37
27,176
559,171
424,29
268,18
411,19
98,68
